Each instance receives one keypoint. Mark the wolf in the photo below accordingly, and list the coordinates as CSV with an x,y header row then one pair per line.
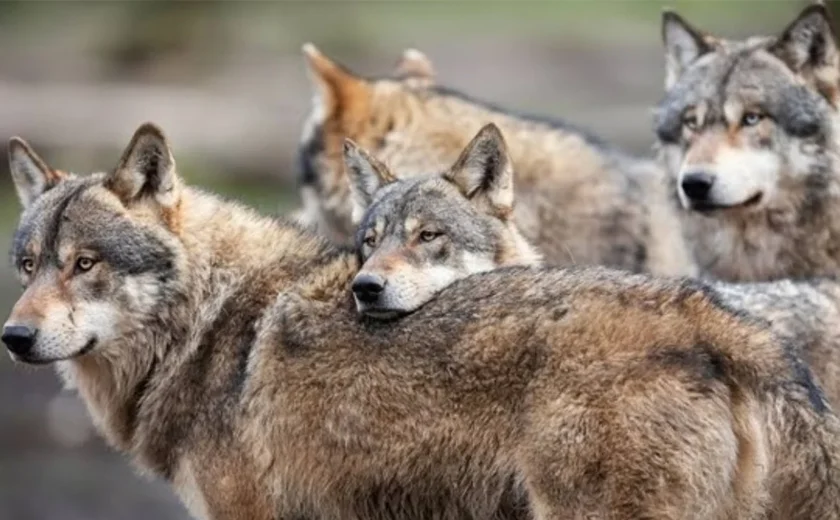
x,y
424,232
747,130
805,312
420,235
221,351
582,200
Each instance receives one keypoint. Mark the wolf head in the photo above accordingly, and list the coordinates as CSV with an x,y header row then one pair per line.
x,y
379,115
96,255
418,235
746,127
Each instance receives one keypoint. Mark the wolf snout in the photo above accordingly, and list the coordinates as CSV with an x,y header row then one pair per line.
x,y
368,287
697,185
19,339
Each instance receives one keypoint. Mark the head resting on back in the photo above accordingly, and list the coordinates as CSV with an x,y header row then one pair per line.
x,y
418,235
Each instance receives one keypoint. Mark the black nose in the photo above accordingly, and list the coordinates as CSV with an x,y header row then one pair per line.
x,y
368,287
19,338
697,185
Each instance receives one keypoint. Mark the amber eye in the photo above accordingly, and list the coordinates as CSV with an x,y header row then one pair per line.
x,y
751,119
690,121
428,236
28,265
84,264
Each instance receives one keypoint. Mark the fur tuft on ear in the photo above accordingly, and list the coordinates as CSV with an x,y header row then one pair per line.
x,y
484,171
415,69
808,46
30,174
366,175
146,169
333,83
683,45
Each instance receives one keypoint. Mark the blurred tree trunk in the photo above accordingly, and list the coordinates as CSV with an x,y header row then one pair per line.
x,y
834,9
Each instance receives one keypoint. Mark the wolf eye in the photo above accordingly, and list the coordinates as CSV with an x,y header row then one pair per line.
x,y
428,236
28,265
690,121
370,240
84,264
751,119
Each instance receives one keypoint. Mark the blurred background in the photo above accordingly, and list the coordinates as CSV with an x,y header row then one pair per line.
x,y
227,82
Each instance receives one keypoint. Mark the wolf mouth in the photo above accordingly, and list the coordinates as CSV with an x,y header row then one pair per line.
x,y
383,313
87,348
708,207
29,360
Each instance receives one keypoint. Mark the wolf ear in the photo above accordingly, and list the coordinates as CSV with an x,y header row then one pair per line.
x,y
415,69
809,48
366,175
31,175
334,85
484,171
683,45
146,168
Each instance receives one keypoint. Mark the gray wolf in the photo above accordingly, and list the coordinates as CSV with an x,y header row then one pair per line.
x,y
802,312
422,233
221,351
748,131
582,201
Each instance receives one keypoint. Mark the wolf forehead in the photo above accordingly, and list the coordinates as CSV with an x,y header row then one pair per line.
x,y
77,214
424,201
425,198
747,74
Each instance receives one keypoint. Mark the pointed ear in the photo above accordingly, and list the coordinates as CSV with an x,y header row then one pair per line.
x,y
333,83
146,169
366,175
415,69
31,175
683,45
484,171
809,48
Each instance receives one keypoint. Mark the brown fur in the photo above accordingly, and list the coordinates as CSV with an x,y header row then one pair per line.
x,y
801,312
252,386
581,202
804,313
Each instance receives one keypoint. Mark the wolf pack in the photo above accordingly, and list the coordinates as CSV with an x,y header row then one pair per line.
x,y
476,313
